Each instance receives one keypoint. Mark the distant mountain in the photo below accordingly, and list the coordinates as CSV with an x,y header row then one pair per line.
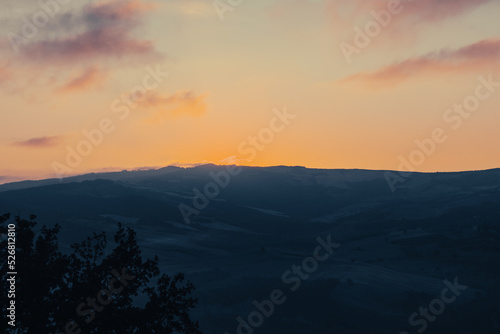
x,y
246,230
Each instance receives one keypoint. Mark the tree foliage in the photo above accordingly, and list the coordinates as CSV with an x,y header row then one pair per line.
x,y
95,289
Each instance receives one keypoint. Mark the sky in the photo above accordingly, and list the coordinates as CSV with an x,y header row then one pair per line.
x,y
90,86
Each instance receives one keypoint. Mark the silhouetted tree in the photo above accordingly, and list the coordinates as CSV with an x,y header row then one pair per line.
x,y
92,290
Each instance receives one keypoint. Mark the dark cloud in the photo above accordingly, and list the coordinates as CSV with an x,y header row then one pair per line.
x,y
102,30
39,142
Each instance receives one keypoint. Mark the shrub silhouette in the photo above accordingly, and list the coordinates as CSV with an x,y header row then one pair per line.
x,y
51,286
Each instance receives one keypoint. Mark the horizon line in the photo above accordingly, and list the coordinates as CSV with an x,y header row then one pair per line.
x,y
192,166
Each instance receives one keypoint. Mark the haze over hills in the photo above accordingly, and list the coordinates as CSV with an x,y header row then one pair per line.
x,y
395,248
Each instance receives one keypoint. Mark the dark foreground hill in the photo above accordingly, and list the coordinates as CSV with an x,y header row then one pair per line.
x,y
422,258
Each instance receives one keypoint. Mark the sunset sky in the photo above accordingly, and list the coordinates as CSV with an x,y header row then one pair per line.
x,y
363,82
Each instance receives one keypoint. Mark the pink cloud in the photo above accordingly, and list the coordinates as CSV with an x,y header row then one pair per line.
x,y
5,74
483,54
412,11
101,35
119,9
89,78
487,49
436,10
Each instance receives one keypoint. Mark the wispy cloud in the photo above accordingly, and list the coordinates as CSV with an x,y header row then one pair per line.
x,y
485,53
90,77
415,12
192,7
107,31
39,142
5,73
89,36
437,10
178,104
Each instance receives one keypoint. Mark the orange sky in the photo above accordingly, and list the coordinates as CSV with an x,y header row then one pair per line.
x,y
112,85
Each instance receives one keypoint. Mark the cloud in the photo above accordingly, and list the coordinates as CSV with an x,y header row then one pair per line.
x,y
177,104
487,49
190,165
5,74
191,7
346,12
412,11
101,30
102,34
402,26
39,142
90,77
483,54
437,10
